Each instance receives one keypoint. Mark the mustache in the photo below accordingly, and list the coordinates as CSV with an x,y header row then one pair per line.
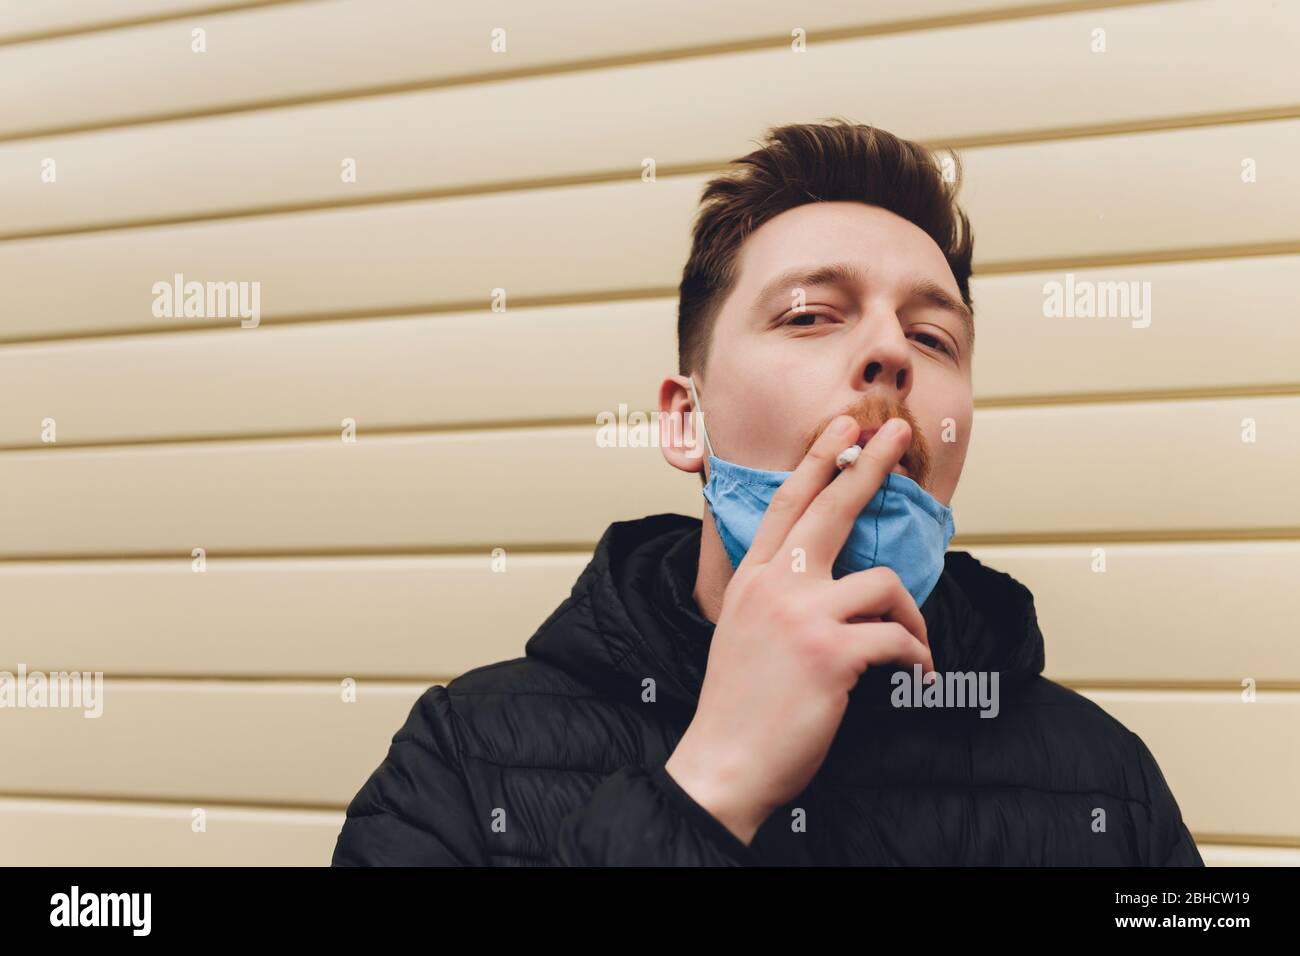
x,y
872,411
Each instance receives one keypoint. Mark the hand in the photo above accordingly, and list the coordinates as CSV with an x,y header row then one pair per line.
x,y
790,644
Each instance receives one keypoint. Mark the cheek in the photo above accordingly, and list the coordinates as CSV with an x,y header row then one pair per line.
x,y
948,443
954,450
960,408
760,425
951,458
758,411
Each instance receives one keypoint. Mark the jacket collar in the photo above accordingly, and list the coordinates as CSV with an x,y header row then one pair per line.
x,y
632,615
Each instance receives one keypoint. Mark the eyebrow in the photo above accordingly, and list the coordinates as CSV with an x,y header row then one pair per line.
x,y
847,274
836,273
938,296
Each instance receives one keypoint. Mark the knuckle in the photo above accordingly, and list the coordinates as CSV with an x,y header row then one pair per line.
x,y
823,505
822,452
890,640
882,580
876,457
816,643
904,642
761,582
745,573
738,590
790,614
783,499
888,576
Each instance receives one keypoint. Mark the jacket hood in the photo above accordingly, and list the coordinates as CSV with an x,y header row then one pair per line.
x,y
631,615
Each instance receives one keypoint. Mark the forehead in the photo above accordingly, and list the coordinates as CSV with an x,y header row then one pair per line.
x,y
887,246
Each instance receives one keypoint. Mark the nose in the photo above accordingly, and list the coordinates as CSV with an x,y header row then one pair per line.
x,y
885,360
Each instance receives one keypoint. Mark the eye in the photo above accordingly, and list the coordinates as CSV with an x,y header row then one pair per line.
x,y
798,317
941,345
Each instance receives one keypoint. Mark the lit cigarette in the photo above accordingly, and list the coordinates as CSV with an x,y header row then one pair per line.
x,y
847,457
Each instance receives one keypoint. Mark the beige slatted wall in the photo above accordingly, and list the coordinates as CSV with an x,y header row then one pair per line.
x,y
329,559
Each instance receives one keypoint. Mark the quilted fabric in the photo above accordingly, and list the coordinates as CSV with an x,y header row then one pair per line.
x,y
555,758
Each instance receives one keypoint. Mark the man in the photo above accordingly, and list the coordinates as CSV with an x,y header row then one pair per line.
x,y
754,688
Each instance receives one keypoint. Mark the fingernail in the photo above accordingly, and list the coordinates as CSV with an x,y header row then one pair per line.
x,y
891,428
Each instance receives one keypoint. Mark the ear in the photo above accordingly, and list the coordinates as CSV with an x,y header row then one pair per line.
x,y
679,433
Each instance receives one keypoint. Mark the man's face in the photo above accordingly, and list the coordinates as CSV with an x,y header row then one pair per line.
x,y
875,344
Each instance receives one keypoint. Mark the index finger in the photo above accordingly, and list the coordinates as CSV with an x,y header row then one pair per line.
x,y
812,475
825,525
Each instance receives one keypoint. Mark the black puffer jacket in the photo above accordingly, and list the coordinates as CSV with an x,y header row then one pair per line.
x,y
557,758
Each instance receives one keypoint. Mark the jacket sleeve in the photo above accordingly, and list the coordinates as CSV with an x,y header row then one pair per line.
x,y
415,809
640,816
1169,842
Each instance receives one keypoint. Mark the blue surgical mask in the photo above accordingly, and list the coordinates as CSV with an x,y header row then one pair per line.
x,y
903,526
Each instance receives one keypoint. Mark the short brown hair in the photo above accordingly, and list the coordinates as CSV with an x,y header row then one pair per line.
x,y
813,162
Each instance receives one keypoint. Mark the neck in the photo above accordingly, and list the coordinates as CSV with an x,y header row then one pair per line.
x,y
714,572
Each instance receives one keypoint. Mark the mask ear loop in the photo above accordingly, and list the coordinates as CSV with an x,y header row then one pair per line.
x,y
699,413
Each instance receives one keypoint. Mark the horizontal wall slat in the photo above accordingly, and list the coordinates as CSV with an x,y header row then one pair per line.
x,y
1048,79
430,371
105,833
1234,767
258,742
1082,469
318,50
1093,469
23,20
268,743
1134,623
1020,353
54,832
409,491
1228,854
410,617
631,237
301,618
